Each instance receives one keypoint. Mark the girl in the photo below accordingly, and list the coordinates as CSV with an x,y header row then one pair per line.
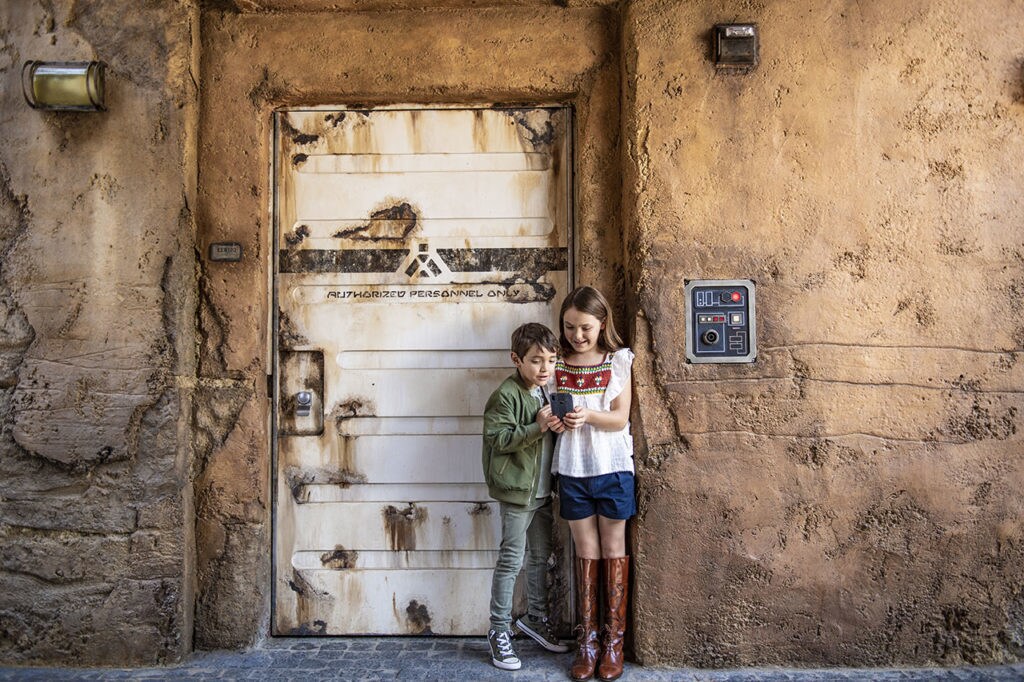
x,y
594,461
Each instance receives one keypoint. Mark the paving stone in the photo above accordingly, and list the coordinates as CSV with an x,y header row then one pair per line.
x,y
456,659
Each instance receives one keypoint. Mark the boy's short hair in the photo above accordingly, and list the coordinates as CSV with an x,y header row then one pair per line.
x,y
533,334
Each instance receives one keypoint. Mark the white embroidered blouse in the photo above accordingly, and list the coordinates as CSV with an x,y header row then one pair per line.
x,y
588,451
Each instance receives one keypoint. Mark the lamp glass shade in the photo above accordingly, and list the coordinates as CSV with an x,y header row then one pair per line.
x,y
64,86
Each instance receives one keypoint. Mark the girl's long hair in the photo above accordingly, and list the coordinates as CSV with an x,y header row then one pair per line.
x,y
590,301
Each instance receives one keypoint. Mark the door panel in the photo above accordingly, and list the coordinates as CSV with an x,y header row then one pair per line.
x,y
410,243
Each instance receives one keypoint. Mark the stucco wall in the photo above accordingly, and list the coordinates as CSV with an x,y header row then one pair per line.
x,y
96,337
854,496
849,499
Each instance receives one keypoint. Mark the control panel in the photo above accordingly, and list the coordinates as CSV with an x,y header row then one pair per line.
x,y
720,322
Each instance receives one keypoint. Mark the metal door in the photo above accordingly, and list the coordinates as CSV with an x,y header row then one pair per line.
x,y
409,244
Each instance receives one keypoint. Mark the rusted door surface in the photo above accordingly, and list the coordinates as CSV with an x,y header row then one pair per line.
x,y
410,243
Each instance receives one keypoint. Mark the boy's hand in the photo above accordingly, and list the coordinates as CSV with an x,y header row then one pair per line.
x,y
543,417
576,418
555,424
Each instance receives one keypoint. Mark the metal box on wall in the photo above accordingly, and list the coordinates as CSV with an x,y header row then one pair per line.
x,y
721,325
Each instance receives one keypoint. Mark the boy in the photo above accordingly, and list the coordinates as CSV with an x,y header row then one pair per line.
x,y
517,467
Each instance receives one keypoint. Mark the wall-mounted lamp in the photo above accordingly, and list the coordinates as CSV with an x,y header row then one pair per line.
x,y
736,46
63,86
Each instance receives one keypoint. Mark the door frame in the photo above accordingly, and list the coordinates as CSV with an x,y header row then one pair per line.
x,y
280,64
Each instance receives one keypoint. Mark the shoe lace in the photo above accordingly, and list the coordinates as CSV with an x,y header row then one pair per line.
x,y
543,626
504,644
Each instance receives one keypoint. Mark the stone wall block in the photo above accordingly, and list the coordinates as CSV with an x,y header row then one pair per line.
x,y
42,625
227,604
133,641
152,555
92,511
62,557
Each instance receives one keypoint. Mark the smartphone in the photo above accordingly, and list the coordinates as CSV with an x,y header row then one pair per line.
x,y
561,404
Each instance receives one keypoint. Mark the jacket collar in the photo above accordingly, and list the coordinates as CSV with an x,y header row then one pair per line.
x,y
521,383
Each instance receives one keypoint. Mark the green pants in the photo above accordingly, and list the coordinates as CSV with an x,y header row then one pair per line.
x,y
524,530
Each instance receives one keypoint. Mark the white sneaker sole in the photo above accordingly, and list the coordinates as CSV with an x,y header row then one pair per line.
x,y
535,636
506,666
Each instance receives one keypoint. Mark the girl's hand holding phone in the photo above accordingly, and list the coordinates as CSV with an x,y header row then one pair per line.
x,y
576,418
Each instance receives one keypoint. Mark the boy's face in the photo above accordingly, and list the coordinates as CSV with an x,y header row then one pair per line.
x,y
537,367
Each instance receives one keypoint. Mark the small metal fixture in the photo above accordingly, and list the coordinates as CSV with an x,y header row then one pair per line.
x,y
64,86
226,252
303,403
736,46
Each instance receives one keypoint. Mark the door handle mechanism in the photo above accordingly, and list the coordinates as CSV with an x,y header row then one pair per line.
x,y
301,393
303,403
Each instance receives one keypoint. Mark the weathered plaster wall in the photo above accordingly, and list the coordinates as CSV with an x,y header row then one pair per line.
x,y
849,499
854,497
256,62
96,342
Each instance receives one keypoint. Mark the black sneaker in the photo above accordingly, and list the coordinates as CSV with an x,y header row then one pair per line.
x,y
502,654
540,630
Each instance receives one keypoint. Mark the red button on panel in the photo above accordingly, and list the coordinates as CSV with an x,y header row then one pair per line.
x,y
735,296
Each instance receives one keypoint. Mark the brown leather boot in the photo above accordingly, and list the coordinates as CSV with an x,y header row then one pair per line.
x,y
616,586
587,645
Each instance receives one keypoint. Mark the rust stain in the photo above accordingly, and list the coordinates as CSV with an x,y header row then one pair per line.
x,y
298,478
288,335
480,136
480,508
342,454
340,559
304,138
297,136
335,119
295,237
305,606
418,617
401,525
319,629
303,588
520,291
353,407
299,159
480,513
393,222
535,127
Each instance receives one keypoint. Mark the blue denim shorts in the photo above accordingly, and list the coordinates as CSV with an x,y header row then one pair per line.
x,y
610,495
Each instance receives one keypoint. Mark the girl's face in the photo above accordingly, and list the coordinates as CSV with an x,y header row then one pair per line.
x,y
582,330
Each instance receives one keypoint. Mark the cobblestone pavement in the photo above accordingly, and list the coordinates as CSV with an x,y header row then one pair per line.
x,y
459,660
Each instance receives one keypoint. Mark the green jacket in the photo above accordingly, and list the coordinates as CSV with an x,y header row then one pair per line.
x,y
512,442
